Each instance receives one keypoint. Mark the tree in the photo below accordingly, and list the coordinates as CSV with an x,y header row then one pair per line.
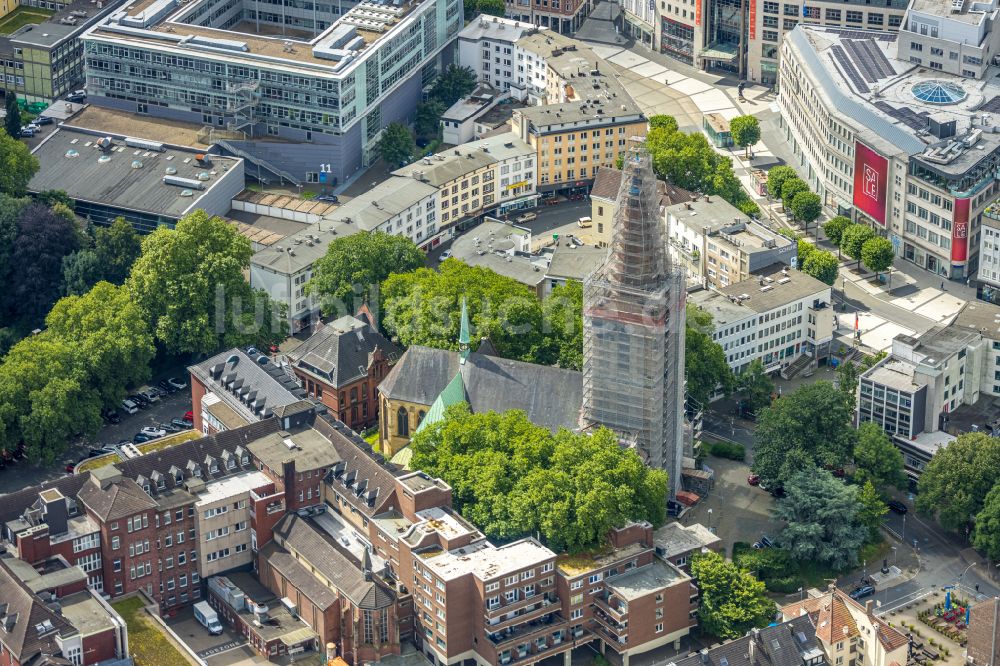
x,y
396,146
454,83
511,478
705,364
877,254
805,249
871,510
789,189
10,210
748,207
853,240
80,271
776,178
732,601
805,429
52,197
190,288
755,386
12,121
986,535
821,265
847,382
488,7
806,207
562,317
17,166
876,459
954,485
43,240
423,307
662,122
117,247
745,131
834,228
427,123
354,266
823,521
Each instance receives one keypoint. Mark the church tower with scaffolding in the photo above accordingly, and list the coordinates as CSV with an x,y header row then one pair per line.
x,y
633,322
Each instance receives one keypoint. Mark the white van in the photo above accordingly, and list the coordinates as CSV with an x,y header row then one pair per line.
x,y
129,406
584,222
207,617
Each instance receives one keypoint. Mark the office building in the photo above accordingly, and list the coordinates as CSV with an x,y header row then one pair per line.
x,y
783,318
149,183
719,246
633,322
302,94
883,133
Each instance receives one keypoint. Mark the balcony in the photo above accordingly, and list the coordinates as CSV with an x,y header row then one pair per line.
x,y
535,653
544,605
615,627
549,623
614,641
493,611
611,605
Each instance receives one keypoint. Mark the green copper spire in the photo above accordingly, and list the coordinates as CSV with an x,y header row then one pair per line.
x,y
463,335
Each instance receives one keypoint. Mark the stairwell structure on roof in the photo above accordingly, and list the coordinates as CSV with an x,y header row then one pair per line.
x,y
633,318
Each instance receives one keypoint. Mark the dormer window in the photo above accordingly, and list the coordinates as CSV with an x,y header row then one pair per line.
x,y
231,463
245,459
161,483
179,477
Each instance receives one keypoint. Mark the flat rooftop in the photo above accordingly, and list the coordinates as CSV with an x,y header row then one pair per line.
x,y
232,486
310,450
445,523
945,9
575,263
773,288
894,373
979,317
124,177
486,561
578,565
646,580
112,121
706,213
940,343
929,442
85,613
675,539
281,625
723,310
418,481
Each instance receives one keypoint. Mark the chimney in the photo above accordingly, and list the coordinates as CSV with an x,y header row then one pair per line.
x,y
869,607
366,564
752,645
331,651
704,655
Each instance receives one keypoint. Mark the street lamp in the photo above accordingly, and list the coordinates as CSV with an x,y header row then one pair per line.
x,y
894,555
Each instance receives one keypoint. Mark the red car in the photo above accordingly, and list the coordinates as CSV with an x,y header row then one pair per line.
x,y
189,416
753,480
70,467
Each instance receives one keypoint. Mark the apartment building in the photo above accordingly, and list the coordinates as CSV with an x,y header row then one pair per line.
x,y
781,317
341,366
52,618
561,16
848,631
718,245
487,46
223,514
678,543
238,387
886,135
495,175
304,96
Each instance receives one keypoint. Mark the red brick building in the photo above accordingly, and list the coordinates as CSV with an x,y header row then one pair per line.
x,y
562,16
341,365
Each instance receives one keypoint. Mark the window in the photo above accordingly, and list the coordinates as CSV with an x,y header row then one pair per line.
x,y
595,578
659,628
576,614
402,423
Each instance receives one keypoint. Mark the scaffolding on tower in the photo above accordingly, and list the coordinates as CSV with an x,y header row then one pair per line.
x,y
633,369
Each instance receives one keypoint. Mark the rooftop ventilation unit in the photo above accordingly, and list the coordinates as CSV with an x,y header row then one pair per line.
x,y
144,144
189,183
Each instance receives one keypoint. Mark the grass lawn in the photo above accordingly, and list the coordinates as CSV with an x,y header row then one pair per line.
x,y
169,440
148,644
21,17
793,574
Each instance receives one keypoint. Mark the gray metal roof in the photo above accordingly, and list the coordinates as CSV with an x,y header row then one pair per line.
x,y
244,384
381,203
114,181
783,644
575,263
339,351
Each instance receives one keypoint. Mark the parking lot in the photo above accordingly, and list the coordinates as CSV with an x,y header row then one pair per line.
x,y
22,474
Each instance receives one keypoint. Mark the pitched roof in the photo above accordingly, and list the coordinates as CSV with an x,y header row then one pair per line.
x,y
550,396
834,620
283,562
452,394
784,644
307,543
120,499
12,505
607,182
340,351
361,476
250,384
23,618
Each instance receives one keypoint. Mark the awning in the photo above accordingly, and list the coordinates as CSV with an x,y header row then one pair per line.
x,y
293,638
720,51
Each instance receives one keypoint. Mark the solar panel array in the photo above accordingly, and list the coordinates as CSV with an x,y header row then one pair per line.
x,y
907,116
864,34
869,58
850,71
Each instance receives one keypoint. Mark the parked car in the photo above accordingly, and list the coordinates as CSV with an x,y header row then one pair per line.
x,y
140,438
897,507
585,222
153,431
70,467
526,217
862,592
111,448
27,132
166,388
111,415
169,427
329,198
44,120
130,406
189,416
149,394
766,541
182,424
140,400
177,383
77,96
753,479
445,255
